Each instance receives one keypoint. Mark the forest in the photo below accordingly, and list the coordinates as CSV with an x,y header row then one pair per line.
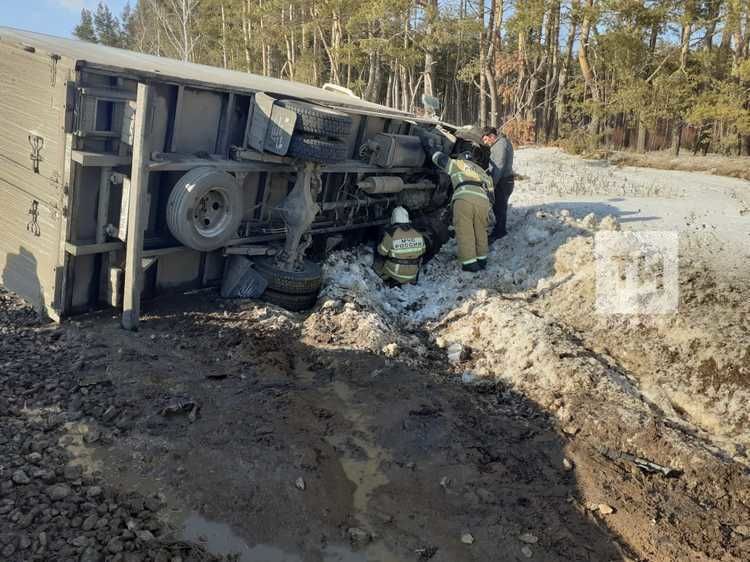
x,y
636,74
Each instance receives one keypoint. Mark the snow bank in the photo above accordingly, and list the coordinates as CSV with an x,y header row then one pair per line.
x,y
523,260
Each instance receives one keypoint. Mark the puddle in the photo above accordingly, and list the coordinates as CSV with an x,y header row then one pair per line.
x,y
364,472
219,538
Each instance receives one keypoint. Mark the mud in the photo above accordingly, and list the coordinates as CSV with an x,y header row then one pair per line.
x,y
398,462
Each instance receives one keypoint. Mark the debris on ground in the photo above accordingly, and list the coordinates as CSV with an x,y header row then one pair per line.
x,y
529,538
181,406
358,537
644,464
467,538
605,509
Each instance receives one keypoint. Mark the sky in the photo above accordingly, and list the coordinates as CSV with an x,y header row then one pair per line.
x,y
54,17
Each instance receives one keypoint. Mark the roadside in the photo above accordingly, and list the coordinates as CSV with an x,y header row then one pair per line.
x,y
714,164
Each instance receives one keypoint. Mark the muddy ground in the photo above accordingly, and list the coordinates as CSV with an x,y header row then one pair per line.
x,y
305,453
467,418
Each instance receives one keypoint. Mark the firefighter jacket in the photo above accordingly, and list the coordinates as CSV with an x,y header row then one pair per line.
x,y
469,180
402,248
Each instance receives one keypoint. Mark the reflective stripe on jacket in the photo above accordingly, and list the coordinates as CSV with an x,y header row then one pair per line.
x,y
405,246
469,180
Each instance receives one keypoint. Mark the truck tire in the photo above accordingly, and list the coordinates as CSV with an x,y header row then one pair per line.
x,y
294,303
306,281
204,209
318,120
307,147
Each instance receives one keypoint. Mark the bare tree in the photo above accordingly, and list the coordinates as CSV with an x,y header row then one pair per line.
x,y
176,19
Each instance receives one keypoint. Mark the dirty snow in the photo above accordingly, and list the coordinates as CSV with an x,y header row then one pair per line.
x,y
529,320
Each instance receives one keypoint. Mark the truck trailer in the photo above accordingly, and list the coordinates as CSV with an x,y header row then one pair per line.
x,y
125,175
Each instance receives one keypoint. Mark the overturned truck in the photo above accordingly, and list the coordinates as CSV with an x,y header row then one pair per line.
x,y
125,175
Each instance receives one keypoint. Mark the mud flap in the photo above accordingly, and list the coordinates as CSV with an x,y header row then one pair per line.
x,y
241,281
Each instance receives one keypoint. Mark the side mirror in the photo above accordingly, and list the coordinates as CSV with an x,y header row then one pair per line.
x,y
431,104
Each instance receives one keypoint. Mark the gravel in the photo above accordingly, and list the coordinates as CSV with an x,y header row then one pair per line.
x,y
51,509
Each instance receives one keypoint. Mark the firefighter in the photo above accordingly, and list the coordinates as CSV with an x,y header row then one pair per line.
x,y
399,254
472,188
501,168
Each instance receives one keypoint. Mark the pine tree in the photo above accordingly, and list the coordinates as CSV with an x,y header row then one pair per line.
x,y
107,26
127,27
85,29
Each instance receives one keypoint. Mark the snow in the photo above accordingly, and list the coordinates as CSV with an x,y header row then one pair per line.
x,y
512,321
711,213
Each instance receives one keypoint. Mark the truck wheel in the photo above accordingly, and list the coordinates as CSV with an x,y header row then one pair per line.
x,y
311,148
295,303
303,282
204,209
318,120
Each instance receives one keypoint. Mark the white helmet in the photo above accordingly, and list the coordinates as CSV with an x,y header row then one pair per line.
x,y
399,216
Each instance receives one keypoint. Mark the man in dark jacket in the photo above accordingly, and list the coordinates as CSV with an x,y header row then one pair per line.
x,y
501,170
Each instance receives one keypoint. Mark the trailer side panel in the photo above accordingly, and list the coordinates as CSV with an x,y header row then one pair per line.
x,y
32,114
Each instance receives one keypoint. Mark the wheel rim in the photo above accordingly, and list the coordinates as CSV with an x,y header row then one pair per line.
x,y
211,212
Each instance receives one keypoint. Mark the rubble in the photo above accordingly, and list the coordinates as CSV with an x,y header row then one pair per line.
x,y
529,538
358,537
605,509
467,538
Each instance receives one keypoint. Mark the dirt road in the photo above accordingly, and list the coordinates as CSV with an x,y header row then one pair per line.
x,y
466,418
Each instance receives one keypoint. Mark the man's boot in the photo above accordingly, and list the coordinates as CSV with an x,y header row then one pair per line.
x,y
472,267
482,263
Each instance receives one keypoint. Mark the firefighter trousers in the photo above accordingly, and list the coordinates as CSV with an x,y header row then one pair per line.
x,y
470,218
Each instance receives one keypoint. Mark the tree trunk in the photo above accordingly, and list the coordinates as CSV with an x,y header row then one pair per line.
x,y
586,70
687,31
482,66
676,137
492,92
713,7
523,64
494,32
372,62
405,98
246,35
552,67
223,37
429,57
641,141
562,80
